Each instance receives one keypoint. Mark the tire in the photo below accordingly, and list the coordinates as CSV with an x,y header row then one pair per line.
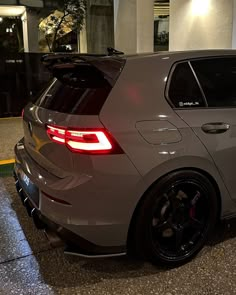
x,y
175,218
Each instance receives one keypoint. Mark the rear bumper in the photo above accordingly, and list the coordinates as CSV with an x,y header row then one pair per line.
x,y
75,244
91,210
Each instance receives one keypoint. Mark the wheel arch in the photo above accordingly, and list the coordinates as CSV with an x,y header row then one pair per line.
x,y
139,203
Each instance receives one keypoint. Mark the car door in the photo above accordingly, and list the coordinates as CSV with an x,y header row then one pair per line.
x,y
210,109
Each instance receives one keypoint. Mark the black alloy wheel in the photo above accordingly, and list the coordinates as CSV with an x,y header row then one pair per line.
x,y
176,217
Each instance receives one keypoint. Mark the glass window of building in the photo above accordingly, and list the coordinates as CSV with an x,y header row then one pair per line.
x,y
161,24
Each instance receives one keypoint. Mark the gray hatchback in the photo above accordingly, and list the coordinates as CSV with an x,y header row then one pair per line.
x,y
132,153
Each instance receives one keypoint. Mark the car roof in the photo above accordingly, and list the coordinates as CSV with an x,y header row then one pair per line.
x,y
184,54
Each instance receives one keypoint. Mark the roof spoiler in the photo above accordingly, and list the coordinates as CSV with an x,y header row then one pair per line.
x,y
109,65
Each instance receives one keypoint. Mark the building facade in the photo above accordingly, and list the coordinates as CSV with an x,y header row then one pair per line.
x,y
25,26
131,26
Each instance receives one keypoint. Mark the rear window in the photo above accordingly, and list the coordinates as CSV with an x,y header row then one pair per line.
x,y
79,90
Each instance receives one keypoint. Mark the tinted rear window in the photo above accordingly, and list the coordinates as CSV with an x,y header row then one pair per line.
x,y
76,91
217,77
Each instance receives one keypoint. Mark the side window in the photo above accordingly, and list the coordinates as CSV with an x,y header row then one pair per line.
x,y
184,91
217,77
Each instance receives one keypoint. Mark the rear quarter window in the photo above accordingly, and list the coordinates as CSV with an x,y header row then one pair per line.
x,y
183,90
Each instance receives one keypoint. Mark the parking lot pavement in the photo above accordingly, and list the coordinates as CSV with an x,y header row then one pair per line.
x,y
11,131
28,264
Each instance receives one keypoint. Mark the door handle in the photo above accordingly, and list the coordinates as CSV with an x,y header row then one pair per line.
x,y
215,128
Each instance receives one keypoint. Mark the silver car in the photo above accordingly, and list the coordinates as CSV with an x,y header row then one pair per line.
x,y
132,154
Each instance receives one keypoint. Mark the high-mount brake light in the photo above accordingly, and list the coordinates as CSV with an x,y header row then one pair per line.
x,y
86,141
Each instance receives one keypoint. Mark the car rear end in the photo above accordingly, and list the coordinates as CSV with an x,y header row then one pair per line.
x,y
71,173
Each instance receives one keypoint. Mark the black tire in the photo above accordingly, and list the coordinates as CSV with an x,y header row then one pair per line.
x,y
175,218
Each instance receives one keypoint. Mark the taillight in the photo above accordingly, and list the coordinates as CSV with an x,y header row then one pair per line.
x,y
86,141
56,134
22,113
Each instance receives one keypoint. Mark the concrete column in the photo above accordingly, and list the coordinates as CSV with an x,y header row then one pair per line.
x,y
133,25
201,24
234,25
99,26
145,26
25,31
125,21
33,31
82,36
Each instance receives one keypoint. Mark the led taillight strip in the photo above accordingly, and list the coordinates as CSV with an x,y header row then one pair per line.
x,y
88,141
56,134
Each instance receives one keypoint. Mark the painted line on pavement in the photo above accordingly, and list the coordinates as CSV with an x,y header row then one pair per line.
x,y
9,161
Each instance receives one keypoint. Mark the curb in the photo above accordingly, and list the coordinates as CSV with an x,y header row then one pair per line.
x,y
9,161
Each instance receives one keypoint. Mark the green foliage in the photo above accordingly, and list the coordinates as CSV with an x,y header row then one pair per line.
x,y
76,9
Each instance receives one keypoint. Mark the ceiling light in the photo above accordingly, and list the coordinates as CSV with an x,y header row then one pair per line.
x,y
12,10
200,7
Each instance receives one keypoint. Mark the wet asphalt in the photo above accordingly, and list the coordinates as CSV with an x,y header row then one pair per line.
x,y
29,265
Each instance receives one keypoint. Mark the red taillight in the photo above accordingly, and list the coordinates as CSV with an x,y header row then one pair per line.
x,y
56,134
87,141
22,113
